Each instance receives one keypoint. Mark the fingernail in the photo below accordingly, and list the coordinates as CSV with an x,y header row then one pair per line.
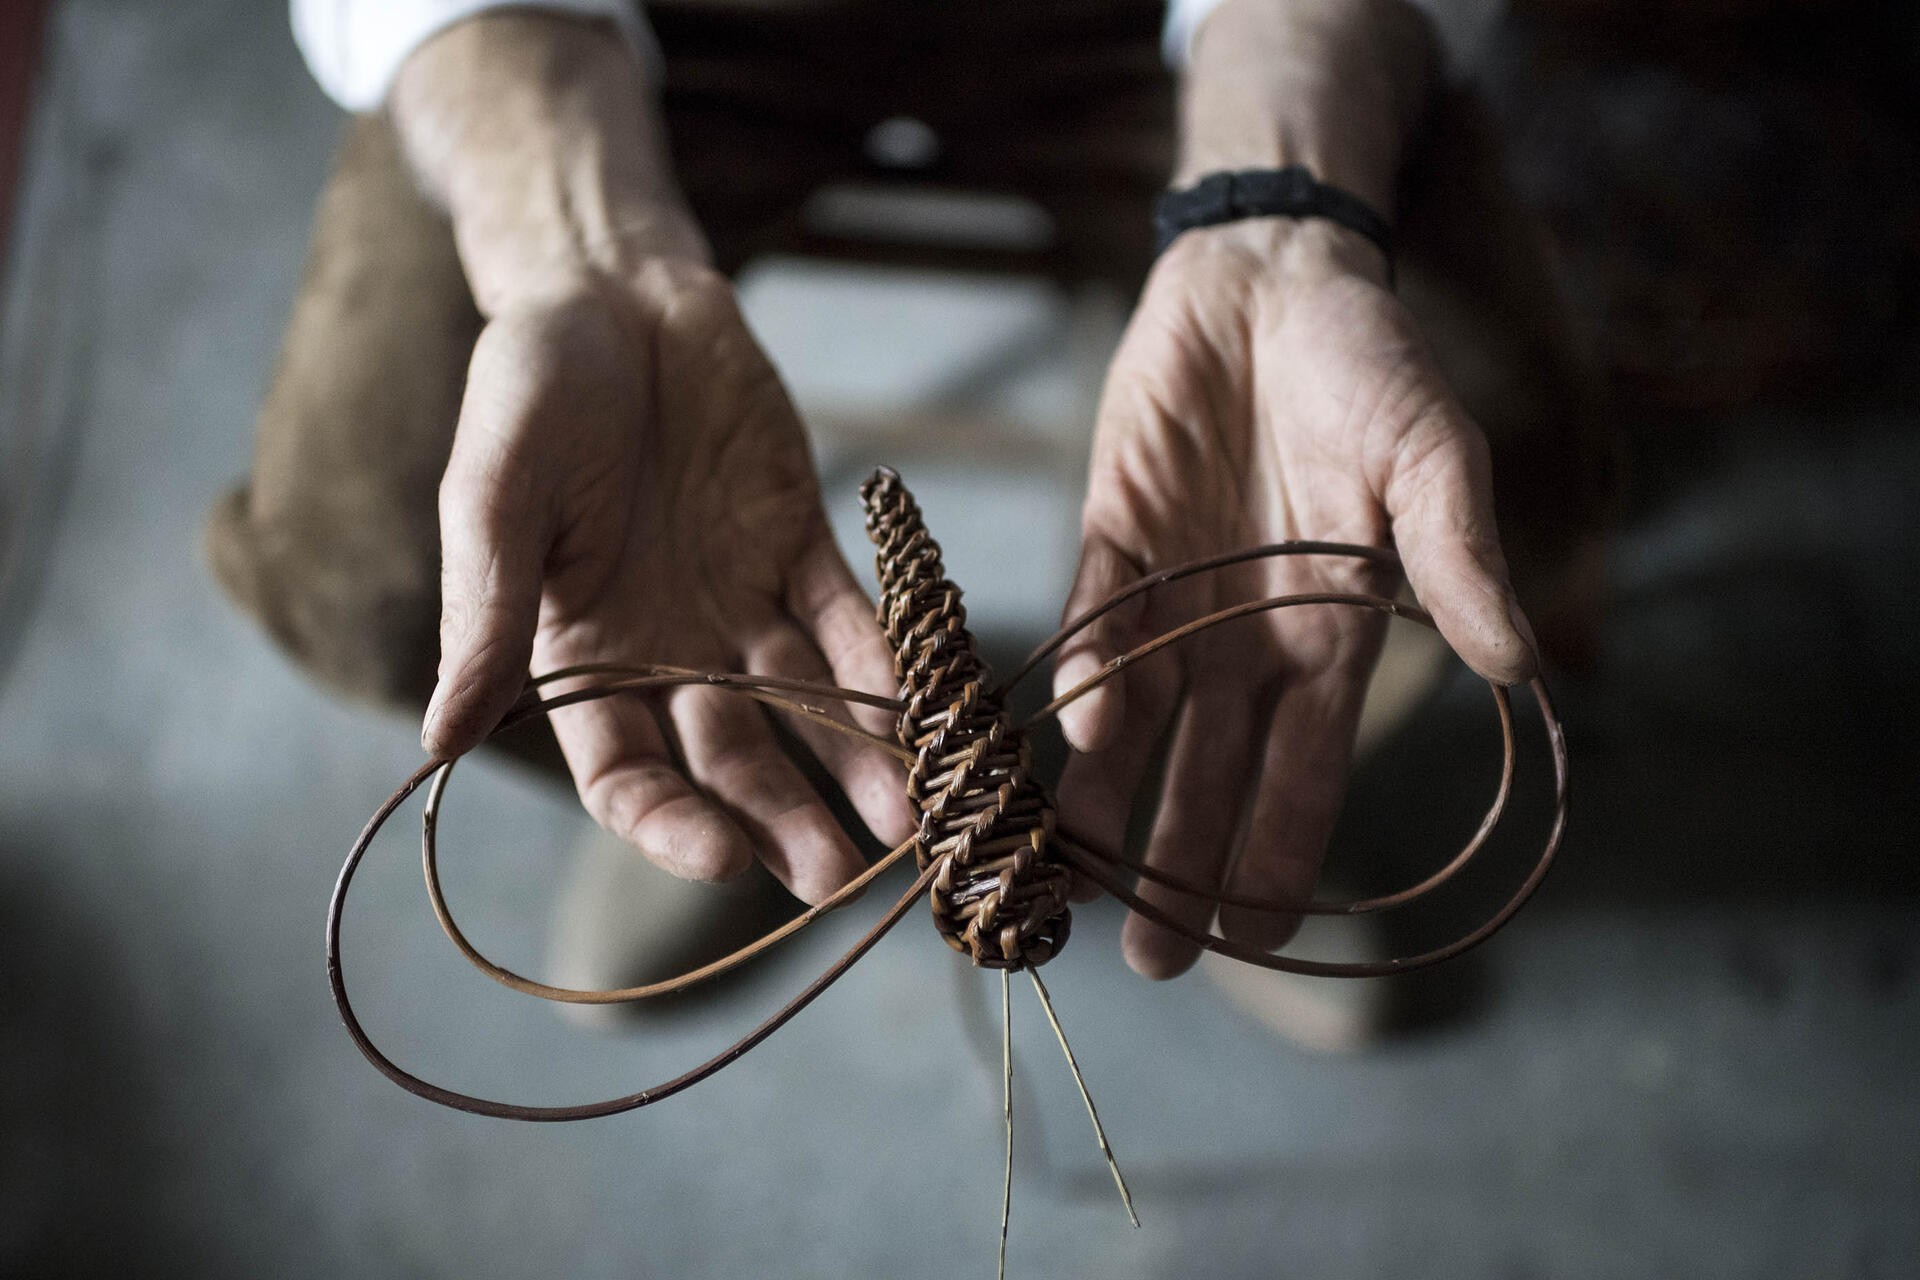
x,y
1520,623
1076,724
431,720
1072,671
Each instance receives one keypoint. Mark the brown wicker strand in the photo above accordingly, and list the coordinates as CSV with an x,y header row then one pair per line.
x,y
1074,626
430,865
336,981
638,680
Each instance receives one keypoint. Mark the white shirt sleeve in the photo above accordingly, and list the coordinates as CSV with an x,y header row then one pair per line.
x,y
355,47
1464,27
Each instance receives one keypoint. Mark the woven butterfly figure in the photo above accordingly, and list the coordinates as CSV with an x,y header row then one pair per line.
x,y
994,865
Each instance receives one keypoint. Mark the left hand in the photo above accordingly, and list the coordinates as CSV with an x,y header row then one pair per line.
x,y
1268,388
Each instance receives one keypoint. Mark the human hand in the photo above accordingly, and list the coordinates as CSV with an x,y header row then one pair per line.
x,y
1268,388
630,484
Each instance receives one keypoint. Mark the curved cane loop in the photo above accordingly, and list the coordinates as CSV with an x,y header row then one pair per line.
x,y
631,680
581,1111
1361,906
762,689
430,862
1379,604
1351,550
753,685
1357,906
1097,869
1001,895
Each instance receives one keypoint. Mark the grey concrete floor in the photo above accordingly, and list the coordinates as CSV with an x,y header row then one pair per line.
x,y
1694,1056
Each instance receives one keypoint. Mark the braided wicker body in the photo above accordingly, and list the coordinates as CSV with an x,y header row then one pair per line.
x,y
1001,896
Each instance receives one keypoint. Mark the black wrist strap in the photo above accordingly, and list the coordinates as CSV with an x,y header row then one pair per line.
x,y
1291,192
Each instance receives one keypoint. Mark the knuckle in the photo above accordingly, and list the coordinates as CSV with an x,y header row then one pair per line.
x,y
1429,447
1438,458
754,774
711,859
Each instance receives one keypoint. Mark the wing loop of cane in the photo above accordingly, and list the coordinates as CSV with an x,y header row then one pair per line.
x,y
765,689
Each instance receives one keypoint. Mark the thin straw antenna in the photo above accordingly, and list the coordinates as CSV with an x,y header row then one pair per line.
x,y
1006,1075
1099,1133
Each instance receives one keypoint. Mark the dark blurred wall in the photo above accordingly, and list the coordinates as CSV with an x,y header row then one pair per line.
x,y
1733,187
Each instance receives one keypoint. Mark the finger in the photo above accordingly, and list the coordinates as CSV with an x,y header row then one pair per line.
x,y
1201,802
629,784
826,600
1308,755
872,779
1440,496
1097,788
493,540
1091,722
731,753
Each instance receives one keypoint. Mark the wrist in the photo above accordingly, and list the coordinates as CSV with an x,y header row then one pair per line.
x,y
1333,85
539,134
513,261
1288,193
1294,253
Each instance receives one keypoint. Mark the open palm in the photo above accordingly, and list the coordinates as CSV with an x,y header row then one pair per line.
x,y
629,484
1269,388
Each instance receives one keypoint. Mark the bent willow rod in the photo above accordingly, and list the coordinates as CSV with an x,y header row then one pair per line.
x,y
993,864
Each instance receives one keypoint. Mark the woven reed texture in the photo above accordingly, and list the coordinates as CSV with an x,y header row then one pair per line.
x,y
1001,896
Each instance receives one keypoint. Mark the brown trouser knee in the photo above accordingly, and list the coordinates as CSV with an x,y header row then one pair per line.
x,y
333,543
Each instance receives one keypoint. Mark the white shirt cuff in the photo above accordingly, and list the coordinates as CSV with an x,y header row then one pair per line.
x,y
355,47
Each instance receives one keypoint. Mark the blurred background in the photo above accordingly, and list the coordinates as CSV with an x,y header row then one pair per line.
x,y
1693,1055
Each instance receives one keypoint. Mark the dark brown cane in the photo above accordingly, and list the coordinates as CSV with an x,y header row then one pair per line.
x,y
1001,895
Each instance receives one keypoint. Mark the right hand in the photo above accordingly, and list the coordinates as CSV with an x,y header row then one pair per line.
x,y
629,483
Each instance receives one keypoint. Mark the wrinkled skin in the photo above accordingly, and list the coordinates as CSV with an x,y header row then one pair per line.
x,y
1268,388
629,483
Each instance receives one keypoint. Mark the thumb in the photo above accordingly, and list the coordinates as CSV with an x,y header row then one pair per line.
x,y
1091,722
491,554
1440,497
